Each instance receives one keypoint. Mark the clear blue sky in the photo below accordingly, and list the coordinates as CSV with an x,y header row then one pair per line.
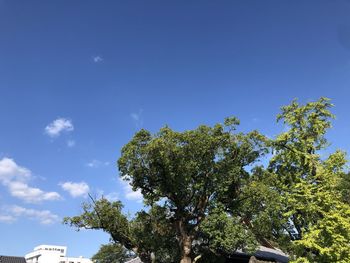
x,y
79,78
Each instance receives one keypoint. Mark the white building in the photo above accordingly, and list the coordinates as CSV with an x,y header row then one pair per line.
x,y
52,254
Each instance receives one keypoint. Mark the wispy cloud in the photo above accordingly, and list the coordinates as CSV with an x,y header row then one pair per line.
x,y
76,189
15,178
96,163
137,118
13,213
113,196
55,128
97,59
7,218
131,194
70,143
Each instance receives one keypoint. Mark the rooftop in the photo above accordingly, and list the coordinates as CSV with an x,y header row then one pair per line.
x,y
9,259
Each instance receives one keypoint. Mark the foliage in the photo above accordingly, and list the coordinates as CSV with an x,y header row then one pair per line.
x,y
344,187
153,232
206,195
226,234
328,239
107,216
111,253
189,171
148,233
259,208
315,216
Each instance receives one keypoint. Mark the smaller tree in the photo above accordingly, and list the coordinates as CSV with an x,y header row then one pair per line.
x,y
314,213
149,234
112,253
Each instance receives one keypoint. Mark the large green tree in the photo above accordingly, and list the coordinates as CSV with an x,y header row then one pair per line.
x,y
189,171
184,177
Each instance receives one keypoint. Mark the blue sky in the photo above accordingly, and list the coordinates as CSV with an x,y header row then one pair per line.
x,y
79,78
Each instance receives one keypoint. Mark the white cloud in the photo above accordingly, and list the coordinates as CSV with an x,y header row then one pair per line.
x,y
131,194
15,178
55,128
10,171
76,189
44,217
96,163
97,59
30,194
70,143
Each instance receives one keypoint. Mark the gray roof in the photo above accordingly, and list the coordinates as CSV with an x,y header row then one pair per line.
x,y
272,253
134,260
8,259
267,254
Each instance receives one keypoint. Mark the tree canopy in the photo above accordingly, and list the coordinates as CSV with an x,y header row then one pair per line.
x,y
212,191
316,217
112,253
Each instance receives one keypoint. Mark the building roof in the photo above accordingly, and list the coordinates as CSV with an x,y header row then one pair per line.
x,y
276,254
264,254
134,260
9,259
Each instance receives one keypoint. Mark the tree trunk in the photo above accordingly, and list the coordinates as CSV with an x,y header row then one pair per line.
x,y
185,260
186,249
185,243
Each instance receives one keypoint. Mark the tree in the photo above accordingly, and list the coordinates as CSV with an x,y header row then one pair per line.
x,y
314,213
147,235
111,253
188,171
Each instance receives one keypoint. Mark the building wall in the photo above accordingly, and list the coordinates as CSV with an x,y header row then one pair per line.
x,y
74,260
52,254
